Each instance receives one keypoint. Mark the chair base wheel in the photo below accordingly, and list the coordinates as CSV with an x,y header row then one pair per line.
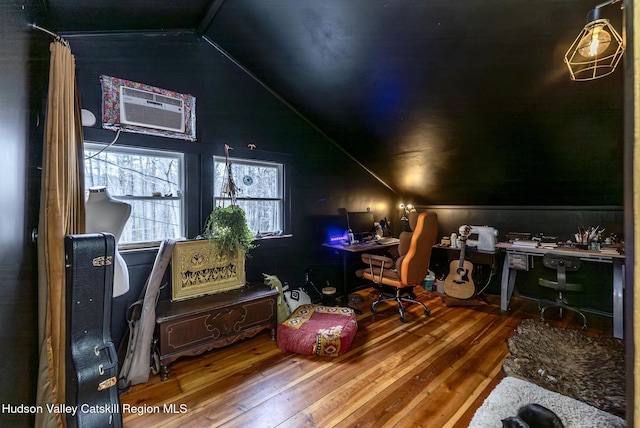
x,y
401,301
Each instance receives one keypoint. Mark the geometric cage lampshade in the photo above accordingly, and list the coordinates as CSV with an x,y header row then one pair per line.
x,y
596,51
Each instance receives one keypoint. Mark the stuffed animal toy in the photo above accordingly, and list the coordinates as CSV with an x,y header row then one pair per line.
x,y
273,282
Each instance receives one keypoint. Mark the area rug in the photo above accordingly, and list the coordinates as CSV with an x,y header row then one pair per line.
x,y
588,369
512,393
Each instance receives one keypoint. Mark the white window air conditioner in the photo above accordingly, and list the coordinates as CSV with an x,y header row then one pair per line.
x,y
151,110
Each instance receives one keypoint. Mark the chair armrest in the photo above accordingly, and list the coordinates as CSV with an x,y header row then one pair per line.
x,y
377,260
377,266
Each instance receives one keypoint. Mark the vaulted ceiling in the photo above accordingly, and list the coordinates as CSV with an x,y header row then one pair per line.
x,y
418,91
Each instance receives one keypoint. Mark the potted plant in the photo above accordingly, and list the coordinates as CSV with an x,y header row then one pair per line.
x,y
228,226
215,263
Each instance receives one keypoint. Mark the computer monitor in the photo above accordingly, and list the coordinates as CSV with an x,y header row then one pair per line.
x,y
360,223
334,228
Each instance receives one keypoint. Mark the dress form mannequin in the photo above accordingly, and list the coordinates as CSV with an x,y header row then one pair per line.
x,y
105,214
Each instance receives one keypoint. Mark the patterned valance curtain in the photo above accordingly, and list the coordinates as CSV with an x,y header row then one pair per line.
x,y
61,213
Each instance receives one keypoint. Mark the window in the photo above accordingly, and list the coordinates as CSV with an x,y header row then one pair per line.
x,y
260,191
150,180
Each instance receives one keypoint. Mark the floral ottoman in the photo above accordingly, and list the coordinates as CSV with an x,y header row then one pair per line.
x,y
318,330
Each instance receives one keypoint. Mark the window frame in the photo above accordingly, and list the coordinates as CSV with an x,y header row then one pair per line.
x,y
181,196
282,200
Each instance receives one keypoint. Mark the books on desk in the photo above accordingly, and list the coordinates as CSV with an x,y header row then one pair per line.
x,y
524,243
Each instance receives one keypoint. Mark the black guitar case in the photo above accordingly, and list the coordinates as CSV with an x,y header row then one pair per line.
x,y
91,358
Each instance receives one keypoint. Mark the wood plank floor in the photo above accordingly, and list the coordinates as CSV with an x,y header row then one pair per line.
x,y
429,372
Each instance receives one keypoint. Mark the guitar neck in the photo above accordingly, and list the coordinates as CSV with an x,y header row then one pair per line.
x,y
463,242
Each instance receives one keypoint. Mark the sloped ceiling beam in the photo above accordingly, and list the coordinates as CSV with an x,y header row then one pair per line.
x,y
214,7
296,111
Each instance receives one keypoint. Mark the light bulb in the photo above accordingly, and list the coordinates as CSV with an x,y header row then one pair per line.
x,y
595,42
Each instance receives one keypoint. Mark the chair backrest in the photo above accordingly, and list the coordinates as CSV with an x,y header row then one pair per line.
x,y
405,236
562,264
415,265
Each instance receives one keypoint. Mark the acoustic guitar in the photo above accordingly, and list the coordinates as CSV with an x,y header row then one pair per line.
x,y
459,283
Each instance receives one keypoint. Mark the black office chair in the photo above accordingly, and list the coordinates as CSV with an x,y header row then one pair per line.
x,y
561,264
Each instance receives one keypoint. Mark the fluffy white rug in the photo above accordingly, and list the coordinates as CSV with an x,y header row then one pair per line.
x,y
512,393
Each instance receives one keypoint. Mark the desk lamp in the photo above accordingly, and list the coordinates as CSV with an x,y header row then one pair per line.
x,y
404,219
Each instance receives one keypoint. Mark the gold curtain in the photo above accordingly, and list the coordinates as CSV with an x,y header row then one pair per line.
x,y
61,213
632,68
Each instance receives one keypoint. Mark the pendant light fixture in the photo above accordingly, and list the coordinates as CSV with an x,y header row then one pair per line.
x,y
597,50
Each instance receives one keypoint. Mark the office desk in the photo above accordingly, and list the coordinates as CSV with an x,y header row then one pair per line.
x,y
509,275
345,250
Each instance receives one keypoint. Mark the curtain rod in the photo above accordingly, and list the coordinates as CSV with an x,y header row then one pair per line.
x,y
51,33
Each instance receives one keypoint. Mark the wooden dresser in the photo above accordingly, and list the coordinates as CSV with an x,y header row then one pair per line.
x,y
191,327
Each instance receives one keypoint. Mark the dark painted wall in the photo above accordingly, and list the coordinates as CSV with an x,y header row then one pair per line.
x,y
559,221
23,67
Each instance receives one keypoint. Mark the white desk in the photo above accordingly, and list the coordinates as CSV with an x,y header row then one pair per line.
x,y
509,275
